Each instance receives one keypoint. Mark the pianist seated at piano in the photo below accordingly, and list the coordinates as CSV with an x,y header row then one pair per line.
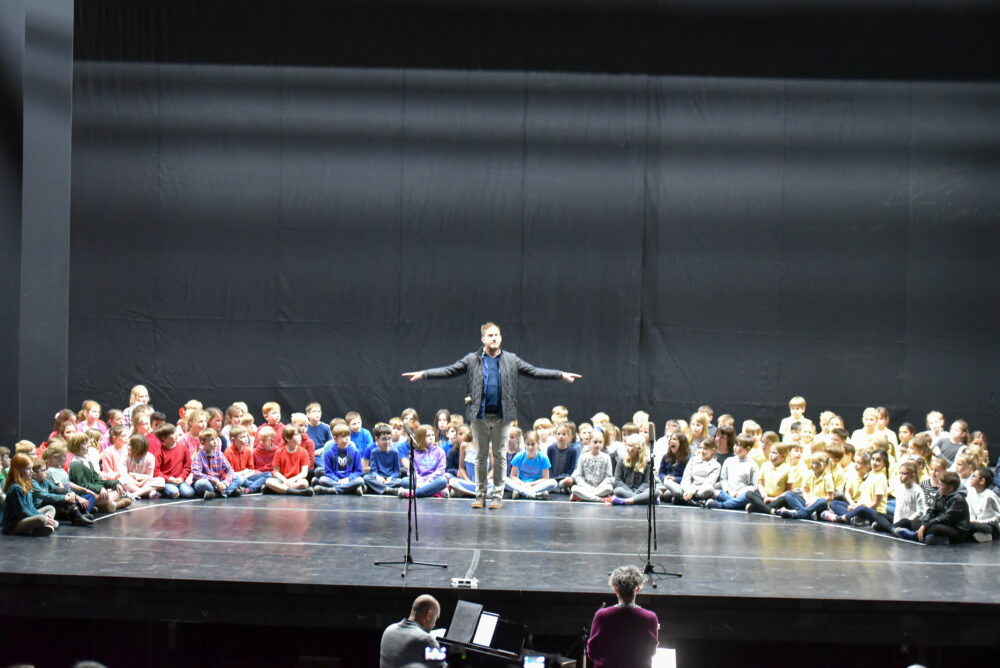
x,y
405,643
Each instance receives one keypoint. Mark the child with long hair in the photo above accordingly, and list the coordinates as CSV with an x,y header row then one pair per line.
x,y
911,505
20,516
929,485
113,460
140,467
89,417
529,473
62,417
700,474
593,479
672,466
631,473
699,427
867,493
463,483
138,396
428,465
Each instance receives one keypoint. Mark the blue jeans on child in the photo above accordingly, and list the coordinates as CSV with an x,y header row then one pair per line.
x,y
171,489
380,487
205,485
429,488
254,483
91,501
802,511
728,502
341,485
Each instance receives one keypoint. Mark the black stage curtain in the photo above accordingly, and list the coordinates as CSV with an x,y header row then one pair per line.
x,y
256,220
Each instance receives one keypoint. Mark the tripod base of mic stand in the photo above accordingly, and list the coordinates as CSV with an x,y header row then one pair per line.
x,y
650,570
408,561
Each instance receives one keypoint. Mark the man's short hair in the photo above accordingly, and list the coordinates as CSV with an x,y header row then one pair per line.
x,y
486,325
422,604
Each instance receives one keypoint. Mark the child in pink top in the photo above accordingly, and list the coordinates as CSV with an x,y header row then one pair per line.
x,y
141,465
89,417
197,420
113,460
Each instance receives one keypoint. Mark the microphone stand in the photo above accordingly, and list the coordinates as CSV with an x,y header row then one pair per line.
x,y
651,543
412,527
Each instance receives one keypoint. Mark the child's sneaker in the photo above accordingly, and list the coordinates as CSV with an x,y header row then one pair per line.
x,y
982,536
901,532
828,516
787,513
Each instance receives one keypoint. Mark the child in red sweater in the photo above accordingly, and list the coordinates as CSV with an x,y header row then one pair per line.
x,y
173,464
290,466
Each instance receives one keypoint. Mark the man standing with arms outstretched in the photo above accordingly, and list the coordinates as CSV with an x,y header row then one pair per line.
x,y
491,403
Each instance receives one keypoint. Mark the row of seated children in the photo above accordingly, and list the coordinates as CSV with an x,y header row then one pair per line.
x,y
923,502
340,470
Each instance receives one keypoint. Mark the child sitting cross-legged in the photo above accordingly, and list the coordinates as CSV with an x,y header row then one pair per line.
x,y
240,456
140,466
383,461
211,471
529,471
341,470
593,479
463,481
700,475
632,474
428,466
738,476
290,465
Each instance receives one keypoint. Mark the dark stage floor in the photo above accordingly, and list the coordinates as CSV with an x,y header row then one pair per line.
x,y
541,563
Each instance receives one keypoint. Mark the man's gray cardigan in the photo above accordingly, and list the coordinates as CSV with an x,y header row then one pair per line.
x,y
510,367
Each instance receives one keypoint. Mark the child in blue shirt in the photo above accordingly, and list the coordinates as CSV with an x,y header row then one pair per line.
x,y
529,471
341,470
383,461
360,437
317,430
